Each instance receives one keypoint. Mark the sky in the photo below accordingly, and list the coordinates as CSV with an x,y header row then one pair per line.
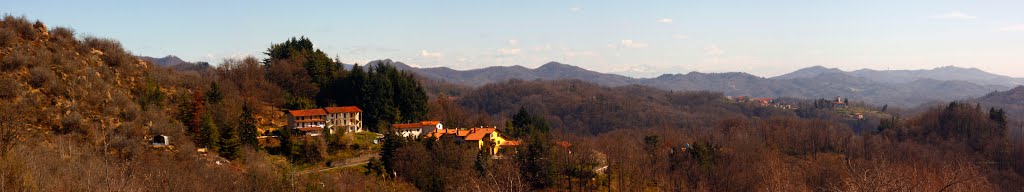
x,y
633,38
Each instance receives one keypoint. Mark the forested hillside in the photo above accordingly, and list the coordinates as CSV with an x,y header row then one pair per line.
x,y
574,106
1012,104
660,140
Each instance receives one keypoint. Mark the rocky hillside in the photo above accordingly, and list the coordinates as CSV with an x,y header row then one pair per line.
x,y
68,85
76,114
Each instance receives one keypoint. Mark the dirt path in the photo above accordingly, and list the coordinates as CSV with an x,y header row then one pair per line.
x,y
350,162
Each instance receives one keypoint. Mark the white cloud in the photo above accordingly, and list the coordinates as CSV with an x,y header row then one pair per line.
x,y
513,42
714,52
509,51
218,57
545,47
428,54
953,15
363,49
1017,27
627,43
680,36
578,53
632,69
576,9
665,20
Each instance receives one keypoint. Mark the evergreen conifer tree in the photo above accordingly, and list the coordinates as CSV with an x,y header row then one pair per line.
x,y
209,136
248,132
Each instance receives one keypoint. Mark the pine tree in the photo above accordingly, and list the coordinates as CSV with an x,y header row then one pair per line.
x,y
287,147
999,116
354,84
375,167
409,95
536,162
229,143
214,95
392,142
210,136
524,123
318,65
248,133
379,99
536,159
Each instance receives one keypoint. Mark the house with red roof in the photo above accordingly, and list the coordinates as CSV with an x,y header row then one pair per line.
x,y
763,101
349,118
308,121
486,138
313,122
417,129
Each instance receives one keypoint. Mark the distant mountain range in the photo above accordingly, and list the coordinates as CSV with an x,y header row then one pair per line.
x,y
174,62
479,77
165,61
948,73
893,87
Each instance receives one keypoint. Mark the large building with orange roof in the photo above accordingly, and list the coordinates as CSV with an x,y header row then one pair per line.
x,y
313,121
349,118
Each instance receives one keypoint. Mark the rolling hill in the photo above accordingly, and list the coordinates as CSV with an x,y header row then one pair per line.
x,y
173,62
947,73
905,88
483,76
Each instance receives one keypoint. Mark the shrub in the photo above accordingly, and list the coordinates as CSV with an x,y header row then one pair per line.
x,y
9,88
20,25
14,61
130,112
39,76
113,53
124,140
63,35
8,38
71,123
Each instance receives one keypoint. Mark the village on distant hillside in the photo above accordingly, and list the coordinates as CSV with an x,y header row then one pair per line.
x,y
839,104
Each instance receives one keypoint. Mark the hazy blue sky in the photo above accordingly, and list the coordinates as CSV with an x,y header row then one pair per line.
x,y
635,38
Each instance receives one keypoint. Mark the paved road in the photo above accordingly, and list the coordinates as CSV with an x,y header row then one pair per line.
x,y
350,162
